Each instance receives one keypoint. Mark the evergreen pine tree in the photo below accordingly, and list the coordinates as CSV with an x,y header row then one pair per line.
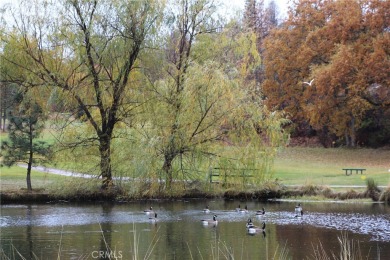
x,y
25,126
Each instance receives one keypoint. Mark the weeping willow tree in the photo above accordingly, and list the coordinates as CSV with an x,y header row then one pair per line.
x,y
255,139
202,114
185,125
216,127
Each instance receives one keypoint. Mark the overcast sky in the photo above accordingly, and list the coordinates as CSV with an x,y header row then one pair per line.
x,y
240,4
232,6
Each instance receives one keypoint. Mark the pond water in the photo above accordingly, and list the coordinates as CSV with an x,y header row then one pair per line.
x,y
124,231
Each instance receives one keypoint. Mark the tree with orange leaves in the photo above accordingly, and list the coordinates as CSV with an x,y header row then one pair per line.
x,y
342,48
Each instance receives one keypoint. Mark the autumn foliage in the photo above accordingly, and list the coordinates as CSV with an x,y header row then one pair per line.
x,y
344,47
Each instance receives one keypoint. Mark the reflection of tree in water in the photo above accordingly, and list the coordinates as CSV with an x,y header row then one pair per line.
x,y
29,217
106,230
170,238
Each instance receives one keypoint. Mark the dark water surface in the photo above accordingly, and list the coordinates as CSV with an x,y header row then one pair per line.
x,y
97,231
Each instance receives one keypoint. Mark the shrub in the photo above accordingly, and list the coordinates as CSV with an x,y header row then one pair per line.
x,y
310,189
372,189
385,195
327,192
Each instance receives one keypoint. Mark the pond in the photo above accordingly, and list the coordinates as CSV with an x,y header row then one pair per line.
x,y
124,231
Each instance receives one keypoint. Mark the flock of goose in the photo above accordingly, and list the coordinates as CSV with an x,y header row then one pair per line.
x,y
251,228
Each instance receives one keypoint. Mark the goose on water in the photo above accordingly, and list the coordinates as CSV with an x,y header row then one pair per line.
x,y
149,211
249,223
153,219
298,210
255,229
213,221
260,212
245,210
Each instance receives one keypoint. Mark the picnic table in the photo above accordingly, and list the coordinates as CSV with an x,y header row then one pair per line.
x,y
348,171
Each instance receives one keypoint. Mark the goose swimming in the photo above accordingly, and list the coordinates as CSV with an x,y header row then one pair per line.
x,y
213,221
245,210
153,219
298,210
255,229
260,212
149,211
249,223
206,210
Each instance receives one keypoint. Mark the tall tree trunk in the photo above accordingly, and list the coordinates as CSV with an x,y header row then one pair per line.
x,y
30,159
350,133
167,168
347,139
105,161
353,132
28,178
4,118
1,118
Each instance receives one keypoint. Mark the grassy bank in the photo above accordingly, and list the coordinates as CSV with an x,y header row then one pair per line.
x,y
312,170
14,179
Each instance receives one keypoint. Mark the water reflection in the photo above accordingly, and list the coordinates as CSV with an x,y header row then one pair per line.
x,y
29,226
105,251
123,230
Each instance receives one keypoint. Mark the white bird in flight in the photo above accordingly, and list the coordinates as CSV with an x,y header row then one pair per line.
x,y
309,83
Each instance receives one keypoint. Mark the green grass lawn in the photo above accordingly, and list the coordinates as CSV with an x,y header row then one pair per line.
x,y
320,166
293,166
14,178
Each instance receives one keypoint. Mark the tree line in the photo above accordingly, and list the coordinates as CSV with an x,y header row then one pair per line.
x,y
142,72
